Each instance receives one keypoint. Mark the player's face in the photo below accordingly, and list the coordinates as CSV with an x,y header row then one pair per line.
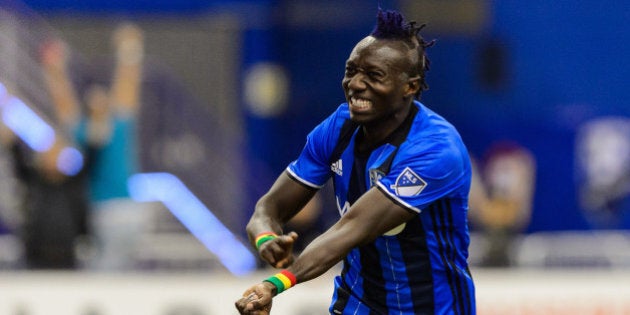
x,y
376,84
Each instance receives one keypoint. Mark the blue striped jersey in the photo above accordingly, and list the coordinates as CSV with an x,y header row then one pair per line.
x,y
421,266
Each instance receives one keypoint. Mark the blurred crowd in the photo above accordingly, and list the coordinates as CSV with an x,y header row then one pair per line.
x,y
75,127
74,194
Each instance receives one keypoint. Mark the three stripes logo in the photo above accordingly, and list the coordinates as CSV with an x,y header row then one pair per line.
x,y
337,167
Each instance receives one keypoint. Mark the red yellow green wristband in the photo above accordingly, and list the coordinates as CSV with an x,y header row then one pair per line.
x,y
264,237
282,280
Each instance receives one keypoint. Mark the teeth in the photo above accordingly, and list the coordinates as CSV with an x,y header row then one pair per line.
x,y
360,103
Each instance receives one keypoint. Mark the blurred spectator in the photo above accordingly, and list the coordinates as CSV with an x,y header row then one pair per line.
x,y
54,208
10,188
110,129
11,216
54,203
501,199
603,170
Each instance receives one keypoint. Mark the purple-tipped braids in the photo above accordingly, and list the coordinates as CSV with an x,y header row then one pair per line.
x,y
392,25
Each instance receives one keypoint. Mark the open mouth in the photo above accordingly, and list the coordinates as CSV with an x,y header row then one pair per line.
x,y
359,104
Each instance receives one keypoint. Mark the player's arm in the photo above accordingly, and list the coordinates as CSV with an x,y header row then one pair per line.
x,y
285,198
372,215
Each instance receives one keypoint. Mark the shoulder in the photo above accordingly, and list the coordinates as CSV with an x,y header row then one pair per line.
x,y
435,141
321,141
429,129
342,113
329,128
427,122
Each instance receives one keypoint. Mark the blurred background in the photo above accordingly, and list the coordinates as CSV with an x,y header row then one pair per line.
x,y
136,137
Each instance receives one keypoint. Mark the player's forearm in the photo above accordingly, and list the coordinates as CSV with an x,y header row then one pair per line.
x,y
261,222
275,208
326,251
267,217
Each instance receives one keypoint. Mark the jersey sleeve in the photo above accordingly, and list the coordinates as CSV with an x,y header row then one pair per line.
x,y
421,174
312,167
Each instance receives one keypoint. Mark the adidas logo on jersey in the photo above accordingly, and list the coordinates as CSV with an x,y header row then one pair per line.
x,y
337,167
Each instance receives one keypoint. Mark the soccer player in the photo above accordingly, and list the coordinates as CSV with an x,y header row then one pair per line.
x,y
402,176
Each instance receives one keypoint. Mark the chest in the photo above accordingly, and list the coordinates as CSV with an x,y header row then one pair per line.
x,y
355,172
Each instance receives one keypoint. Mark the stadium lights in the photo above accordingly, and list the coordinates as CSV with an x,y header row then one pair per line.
x,y
27,125
70,161
35,132
198,219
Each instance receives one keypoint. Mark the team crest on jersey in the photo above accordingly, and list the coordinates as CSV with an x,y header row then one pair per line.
x,y
375,176
337,167
408,183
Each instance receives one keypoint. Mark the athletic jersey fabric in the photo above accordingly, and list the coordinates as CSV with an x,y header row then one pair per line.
x,y
421,266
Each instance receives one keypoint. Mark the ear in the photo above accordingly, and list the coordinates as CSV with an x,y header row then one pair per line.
x,y
413,85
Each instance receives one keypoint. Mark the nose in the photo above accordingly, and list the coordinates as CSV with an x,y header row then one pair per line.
x,y
356,82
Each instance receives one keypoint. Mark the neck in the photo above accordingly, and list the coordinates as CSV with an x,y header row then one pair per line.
x,y
374,133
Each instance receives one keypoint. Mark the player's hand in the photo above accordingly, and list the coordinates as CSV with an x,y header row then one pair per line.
x,y
278,252
256,300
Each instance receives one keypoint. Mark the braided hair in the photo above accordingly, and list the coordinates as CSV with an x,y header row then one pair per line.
x,y
392,25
